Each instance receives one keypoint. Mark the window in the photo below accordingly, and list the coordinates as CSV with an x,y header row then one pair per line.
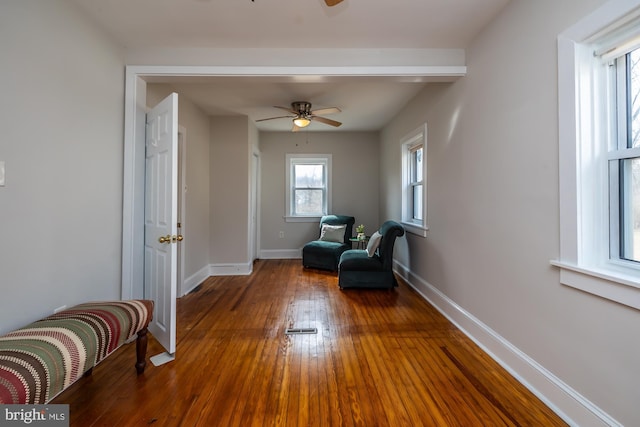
x,y
414,172
624,158
416,183
308,186
599,135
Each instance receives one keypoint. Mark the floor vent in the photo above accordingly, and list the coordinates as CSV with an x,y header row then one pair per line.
x,y
298,331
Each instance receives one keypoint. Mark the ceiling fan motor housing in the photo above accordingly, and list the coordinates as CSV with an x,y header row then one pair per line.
x,y
301,107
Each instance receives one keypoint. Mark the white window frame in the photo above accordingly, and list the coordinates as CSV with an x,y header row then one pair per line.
x,y
412,141
294,159
585,131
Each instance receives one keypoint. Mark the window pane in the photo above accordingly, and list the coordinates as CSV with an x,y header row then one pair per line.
x,y
308,202
417,202
634,99
416,165
630,208
309,176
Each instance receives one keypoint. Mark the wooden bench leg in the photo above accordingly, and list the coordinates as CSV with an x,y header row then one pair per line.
x,y
141,350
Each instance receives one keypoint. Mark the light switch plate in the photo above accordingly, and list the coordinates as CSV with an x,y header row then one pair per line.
x,y
1,173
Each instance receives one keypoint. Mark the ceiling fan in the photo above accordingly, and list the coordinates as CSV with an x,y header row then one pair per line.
x,y
303,115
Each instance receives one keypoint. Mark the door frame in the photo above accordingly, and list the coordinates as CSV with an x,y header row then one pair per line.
x,y
134,123
254,206
182,204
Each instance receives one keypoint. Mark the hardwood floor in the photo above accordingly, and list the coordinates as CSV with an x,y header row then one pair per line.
x,y
379,358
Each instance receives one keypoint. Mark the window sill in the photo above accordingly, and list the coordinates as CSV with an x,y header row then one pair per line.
x,y
419,230
612,285
302,218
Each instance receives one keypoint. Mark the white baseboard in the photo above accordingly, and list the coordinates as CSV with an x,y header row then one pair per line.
x,y
194,280
230,269
281,253
570,405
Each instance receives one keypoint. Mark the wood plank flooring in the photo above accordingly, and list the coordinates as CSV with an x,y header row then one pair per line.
x,y
379,358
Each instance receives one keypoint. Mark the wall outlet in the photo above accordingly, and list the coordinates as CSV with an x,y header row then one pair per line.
x,y
1,173
59,309
281,235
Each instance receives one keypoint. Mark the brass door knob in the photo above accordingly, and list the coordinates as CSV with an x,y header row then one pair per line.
x,y
180,238
164,239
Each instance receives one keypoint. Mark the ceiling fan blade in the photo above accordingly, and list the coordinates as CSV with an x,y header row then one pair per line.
x,y
323,111
286,109
332,2
325,121
279,117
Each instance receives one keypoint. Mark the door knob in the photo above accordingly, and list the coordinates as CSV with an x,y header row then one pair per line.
x,y
164,239
180,238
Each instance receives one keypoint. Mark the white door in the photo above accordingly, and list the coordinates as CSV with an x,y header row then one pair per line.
x,y
160,218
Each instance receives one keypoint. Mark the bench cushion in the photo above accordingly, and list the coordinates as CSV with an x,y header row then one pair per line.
x,y
42,359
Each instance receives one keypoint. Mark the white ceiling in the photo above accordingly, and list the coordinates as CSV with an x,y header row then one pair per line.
x,y
366,103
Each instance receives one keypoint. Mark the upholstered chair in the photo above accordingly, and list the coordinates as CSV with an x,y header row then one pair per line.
x,y
371,267
333,239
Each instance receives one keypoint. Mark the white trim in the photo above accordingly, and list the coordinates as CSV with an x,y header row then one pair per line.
x,y
182,198
135,99
133,188
570,405
415,228
231,269
583,171
253,242
415,138
204,273
616,287
302,218
281,254
193,281
292,159
268,71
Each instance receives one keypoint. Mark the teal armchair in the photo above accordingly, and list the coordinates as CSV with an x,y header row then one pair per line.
x,y
324,253
357,269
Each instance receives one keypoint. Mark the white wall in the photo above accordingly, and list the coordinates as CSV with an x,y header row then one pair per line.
x,y
355,183
493,208
229,202
61,115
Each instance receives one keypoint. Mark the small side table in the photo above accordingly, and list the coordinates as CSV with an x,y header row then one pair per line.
x,y
357,243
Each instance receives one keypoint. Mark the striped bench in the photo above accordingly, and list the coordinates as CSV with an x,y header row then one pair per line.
x,y
42,359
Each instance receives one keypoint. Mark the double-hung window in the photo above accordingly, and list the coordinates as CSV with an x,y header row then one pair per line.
x,y
416,183
599,137
414,173
624,158
308,186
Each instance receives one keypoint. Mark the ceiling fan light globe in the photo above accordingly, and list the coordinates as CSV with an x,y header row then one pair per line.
x,y
301,122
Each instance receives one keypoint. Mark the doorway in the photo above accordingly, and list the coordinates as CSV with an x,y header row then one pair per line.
x,y
135,110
